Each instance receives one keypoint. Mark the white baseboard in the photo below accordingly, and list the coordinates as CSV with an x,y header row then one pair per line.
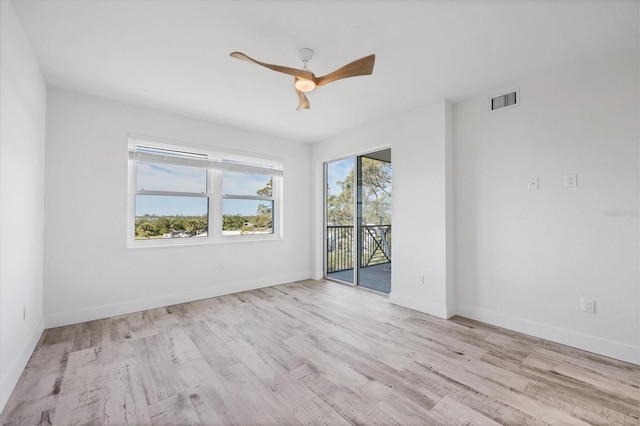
x,y
13,374
598,345
104,311
419,305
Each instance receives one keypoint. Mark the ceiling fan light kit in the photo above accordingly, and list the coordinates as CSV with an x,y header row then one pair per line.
x,y
304,85
305,81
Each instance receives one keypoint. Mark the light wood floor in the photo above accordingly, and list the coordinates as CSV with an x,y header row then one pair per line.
x,y
313,353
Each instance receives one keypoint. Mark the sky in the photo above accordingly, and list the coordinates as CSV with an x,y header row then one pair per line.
x,y
166,177
337,171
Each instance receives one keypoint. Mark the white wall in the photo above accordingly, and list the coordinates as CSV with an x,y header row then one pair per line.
x,y
420,214
509,256
418,141
22,147
90,273
525,258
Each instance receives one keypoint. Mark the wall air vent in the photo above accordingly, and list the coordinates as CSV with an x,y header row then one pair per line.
x,y
504,100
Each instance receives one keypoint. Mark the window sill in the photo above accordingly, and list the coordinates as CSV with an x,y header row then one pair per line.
x,y
203,241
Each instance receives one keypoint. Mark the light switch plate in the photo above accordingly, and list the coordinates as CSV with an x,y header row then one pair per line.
x,y
571,181
533,184
588,305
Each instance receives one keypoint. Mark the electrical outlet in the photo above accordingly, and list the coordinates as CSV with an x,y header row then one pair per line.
x,y
571,181
588,305
533,184
24,313
221,268
420,279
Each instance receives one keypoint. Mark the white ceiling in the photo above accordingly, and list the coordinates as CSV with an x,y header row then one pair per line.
x,y
174,55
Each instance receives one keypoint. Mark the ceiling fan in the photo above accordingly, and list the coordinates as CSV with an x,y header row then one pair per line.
x,y
306,81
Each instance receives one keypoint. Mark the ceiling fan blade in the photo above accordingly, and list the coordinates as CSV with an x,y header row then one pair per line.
x,y
286,70
362,66
304,102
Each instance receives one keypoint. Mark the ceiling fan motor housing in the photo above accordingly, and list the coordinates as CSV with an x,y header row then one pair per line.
x,y
306,54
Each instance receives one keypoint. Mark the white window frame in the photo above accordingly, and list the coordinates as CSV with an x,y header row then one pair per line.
x,y
215,161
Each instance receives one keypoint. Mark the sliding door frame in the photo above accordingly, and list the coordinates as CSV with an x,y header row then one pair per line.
x,y
357,212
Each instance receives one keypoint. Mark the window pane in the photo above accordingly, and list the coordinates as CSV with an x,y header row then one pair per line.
x,y
159,216
237,183
169,177
247,217
340,176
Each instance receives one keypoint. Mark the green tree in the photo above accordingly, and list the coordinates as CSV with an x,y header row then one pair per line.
x,y
340,206
376,196
265,209
264,217
267,191
145,230
232,222
376,192
191,225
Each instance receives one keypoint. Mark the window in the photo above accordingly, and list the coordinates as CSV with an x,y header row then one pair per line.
x,y
182,194
247,203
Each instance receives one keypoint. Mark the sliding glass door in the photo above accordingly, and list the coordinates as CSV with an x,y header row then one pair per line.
x,y
339,218
374,223
358,220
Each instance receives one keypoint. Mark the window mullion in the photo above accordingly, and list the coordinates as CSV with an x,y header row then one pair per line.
x,y
215,203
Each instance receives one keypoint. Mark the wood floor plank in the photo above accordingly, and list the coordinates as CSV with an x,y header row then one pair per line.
x,y
141,325
622,372
175,410
210,346
38,411
595,381
587,406
428,350
80,399
57,335
347,402
509,396
375,391
377,371
317,413
253,395
86,335
124,399
313,352
180,346
159,376
220,327
380,418
405,411
379,345
163,318
36,393
209,397
116,335
451,412
487,405
575,384
284,355
284,386
451,343
490,372
332,363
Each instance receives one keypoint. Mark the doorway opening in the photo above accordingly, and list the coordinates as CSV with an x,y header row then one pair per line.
x,y
358,220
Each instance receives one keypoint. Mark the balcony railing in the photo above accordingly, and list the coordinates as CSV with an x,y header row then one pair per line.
x,y
375,242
